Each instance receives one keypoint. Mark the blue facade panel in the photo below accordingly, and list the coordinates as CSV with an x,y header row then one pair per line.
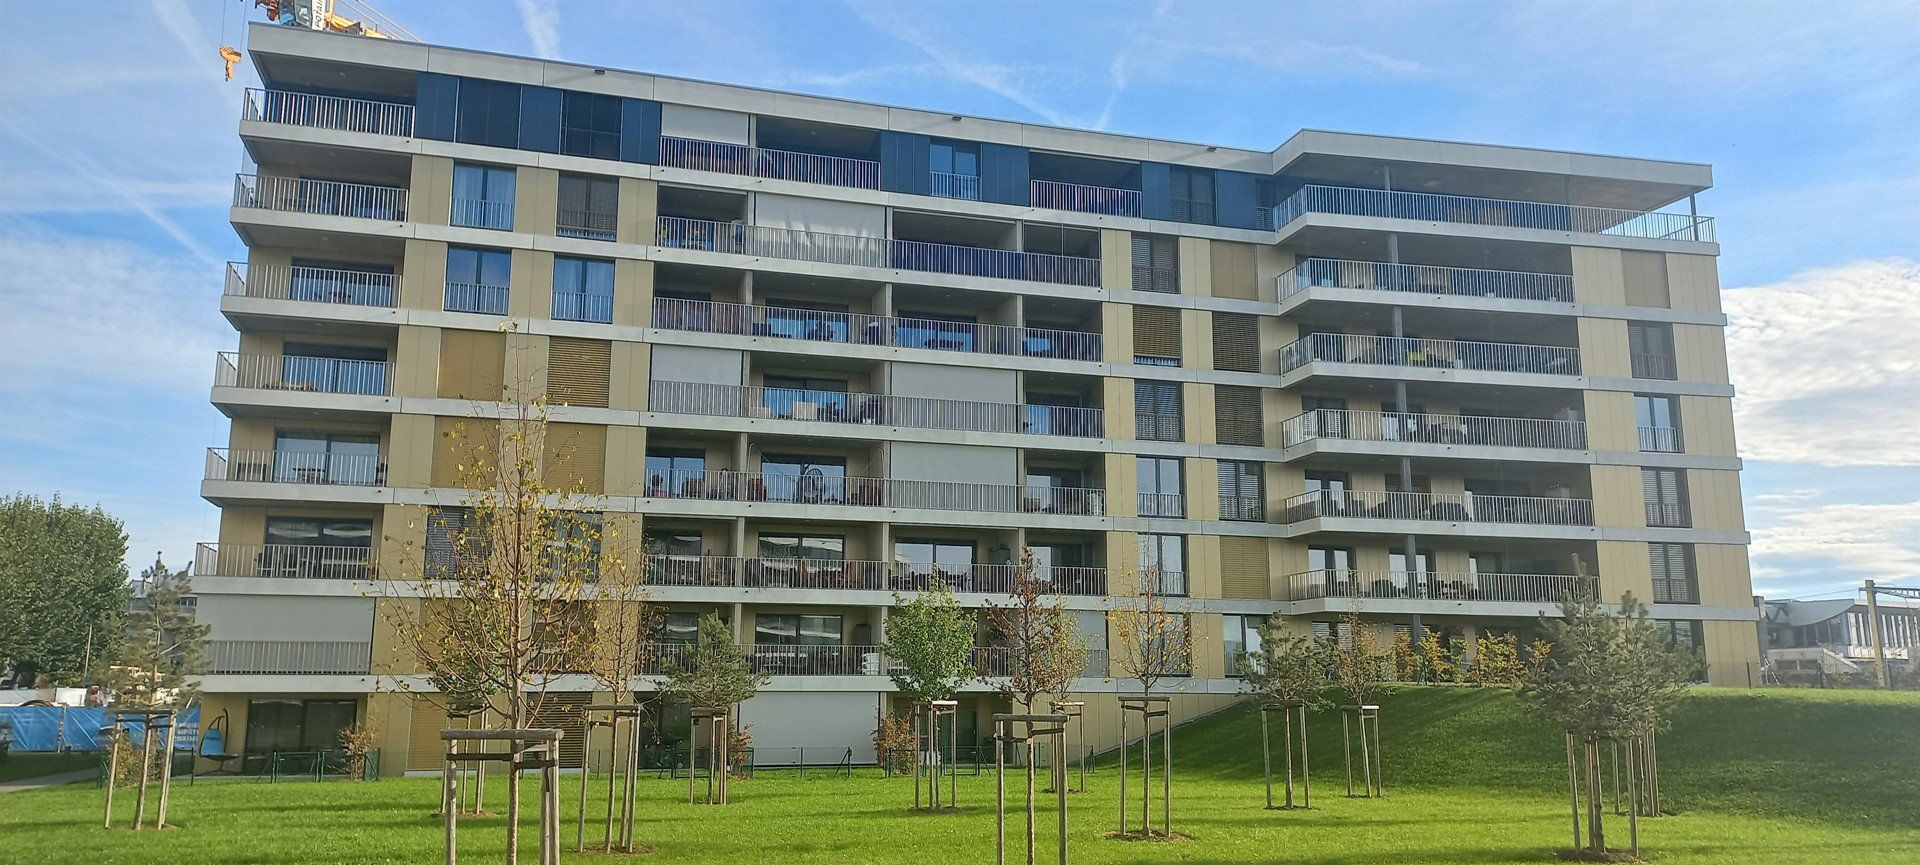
x,y
1235,195
540,109
434,99
639,131
1003,174
904,163
1156,190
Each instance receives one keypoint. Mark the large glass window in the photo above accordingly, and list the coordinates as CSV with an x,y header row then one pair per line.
x,y
955,168
327,458
789,629
582,289
936,330
296,725
478,280
950,561
1659,420
1675,579
807,397
590,125
482,197
1056,491
676,473
1160,490
1240,634
803,479
1242,491
811,548
315,548
1164,557
487,112
325,281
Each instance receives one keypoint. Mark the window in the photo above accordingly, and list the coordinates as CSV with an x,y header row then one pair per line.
x,y
935,330
788,629
583,289
1057,491
1324,494
955,168
1156,335
478,280
1659,421
573,544
326,458
1164,557
950,561
1236,342
1156,263
326,368
455,542
679,629
1665,491
1157,412
1682,634
323,281
314,547
1242,491
296,725
1675,579
1192,195
806,397
676,473
1336,561
590,125
1160,491
1237,416
487,112
1650,350
1397,583
673,556
812,548
803,479
589,207
1240,635
482,197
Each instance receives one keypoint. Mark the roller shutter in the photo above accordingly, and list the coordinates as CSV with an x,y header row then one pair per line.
x,y
472,364
1236,342
1236,416
1243,568
578,371
575,457
1156,332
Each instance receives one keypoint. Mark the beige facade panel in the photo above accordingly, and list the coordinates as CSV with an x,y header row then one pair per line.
x,y
579,371
423,275
1623,567
1617,498
1700,353
632,293
638,211
1233,269
536,200
1237,416
430,190
1196,339
1726,577
473,364
575,457
1196,266
460,444
1645,276
1714,498
1603,348
1611,422
530,291
1706,426
1599,276
1694,281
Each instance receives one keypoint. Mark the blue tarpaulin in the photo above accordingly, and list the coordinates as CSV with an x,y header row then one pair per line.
x,y
53,728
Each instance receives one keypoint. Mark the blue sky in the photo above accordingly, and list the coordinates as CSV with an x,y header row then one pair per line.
x,y
117,149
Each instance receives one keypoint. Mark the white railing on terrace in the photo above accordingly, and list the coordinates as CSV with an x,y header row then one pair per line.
x,y
295,467
1430,353
474,297
728,400
1444,507
1652,366
271,657
779,659
1159,426
793,165
1083,198
820,489
738,319
310,284
1443,429
320,197
1523,588
296,372
678,232
284,561
1425,279
328,112
1432,207
1172,505
1660,439
1241,508
583,306
586,224
481,213
854,575
948,185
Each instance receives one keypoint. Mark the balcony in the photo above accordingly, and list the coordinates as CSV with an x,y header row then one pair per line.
x,y
677,232
1425,279
1450,354
481,213
948,185
476,298
1658,367
583,306
1669,515
1468,210
871,576
288,657
310,284
315,111
1660,440
702,316
586,224
734,486
725,158
1438,507
296,467
1513,588
1435,429
320,197
284,561
1083,198
1243,509
1158,426
776,659
298,373
1171,505
722,400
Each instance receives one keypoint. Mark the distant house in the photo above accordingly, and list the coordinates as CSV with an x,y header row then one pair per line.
x,y
1813,642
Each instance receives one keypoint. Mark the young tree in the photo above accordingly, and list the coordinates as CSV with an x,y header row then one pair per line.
x,y
621,647
1496,661
1287,673
63,589
1151,642
156,669
1044,650
1357,666
716,673
928,647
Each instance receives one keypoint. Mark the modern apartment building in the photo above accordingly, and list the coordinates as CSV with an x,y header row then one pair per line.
x,y
820,351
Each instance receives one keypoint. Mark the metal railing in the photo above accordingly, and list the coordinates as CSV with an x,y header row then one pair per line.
x,y
1158,426
1444,429
1445,507
1673,515
1433,207
739,238
583,306
739,319
1084,198
725,158
1172,505
1653,366
310,284
728,400
1660,439
320,197
1159,280
1523,588
857,575
1425,279
586,224
327,112
270,657
475,297
481,213
1245,509
284,561
295,467
296,372
1430,353
949,185
818,489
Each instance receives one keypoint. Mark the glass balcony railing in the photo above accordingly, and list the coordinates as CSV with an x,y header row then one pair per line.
x,y
1425,279
1468,210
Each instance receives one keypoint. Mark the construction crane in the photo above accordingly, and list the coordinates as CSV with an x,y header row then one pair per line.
x,y
321,15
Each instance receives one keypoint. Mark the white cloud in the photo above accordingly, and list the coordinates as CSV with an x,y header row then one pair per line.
x,y
1810,549
1017,84
1825,368
541,18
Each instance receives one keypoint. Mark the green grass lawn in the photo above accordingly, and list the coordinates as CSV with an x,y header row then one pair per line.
x,y
17,766
1774,778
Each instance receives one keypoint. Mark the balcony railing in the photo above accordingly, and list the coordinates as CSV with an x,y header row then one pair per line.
x,y
793,165
726,400
583,306
1439,429
1673,515
320,197
679,232
298,657
328,112
1522,588
284,561
1082,198
481,213
310,284
1660,439
1652,366
949,185
1246,509
296,372
738,319
815,489
1442,507
775,659
296,467
1159,280
1425,279
1431,207
1172,505
854,575
1430,354
474,297
586,224
1158,426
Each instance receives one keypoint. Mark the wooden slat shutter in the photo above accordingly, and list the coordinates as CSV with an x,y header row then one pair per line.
x,y
578,371
575,457
472,364
1243,568
1233,270
1156,332
1236,342
1236,416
